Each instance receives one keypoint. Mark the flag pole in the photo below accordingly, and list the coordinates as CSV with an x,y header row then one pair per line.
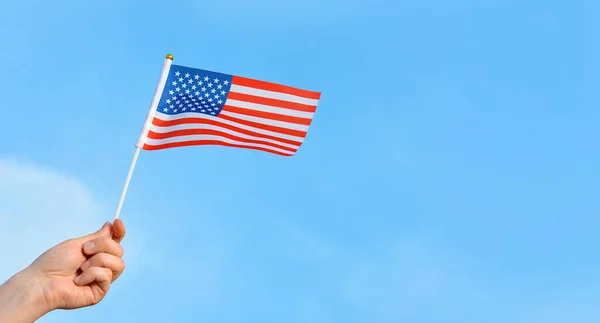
x,y
144,133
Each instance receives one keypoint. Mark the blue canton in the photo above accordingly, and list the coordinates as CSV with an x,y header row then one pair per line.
x,y
194,90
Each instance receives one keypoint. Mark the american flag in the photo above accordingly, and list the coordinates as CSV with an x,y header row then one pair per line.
x,y
199,107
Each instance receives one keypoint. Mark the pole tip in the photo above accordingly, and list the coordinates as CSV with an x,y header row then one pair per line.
x,y
169,56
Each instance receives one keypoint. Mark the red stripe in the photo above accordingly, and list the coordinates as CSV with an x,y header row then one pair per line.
x,y
262,85
209,142
191,132
271,102
215,122
268,115
287,131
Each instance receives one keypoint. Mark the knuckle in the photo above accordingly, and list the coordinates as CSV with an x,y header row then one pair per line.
x,y
110,246
102,259
106,273
106,241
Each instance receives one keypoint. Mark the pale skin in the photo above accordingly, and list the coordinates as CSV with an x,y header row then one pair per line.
x,y
73,274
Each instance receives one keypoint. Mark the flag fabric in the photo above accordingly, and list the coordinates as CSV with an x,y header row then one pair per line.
x,y
199,107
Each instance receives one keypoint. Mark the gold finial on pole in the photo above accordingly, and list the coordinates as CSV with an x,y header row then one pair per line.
x,y
169,56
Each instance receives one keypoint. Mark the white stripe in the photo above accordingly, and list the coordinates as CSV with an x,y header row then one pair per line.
x,y
269,109
158,129
272,95
269,122
167,117
156,142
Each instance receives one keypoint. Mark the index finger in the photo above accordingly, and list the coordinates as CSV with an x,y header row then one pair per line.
x,y
118,230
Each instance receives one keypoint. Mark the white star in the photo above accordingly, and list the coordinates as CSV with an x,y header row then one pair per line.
x,y
203,110
200,82
177,73
209,100
196,76
220,101
168,101
226,82
213,113
193,109
203,89
206,78
166,110
207,95
197,93
213,104
222,92
216,96
184,85
171,92
172,106
213,91
187,91
216,80
193,87
209,109
181,79
209,84
187,75
220,86
191,81
175,111
184,109
177,89
174,83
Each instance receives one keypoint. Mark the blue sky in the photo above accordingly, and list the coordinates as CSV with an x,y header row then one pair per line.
x,y
450,174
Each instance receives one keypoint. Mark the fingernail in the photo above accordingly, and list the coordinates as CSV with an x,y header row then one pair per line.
x,y
77,279
89,246
86,265
106,224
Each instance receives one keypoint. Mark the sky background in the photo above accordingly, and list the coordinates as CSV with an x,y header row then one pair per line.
x,y
451,173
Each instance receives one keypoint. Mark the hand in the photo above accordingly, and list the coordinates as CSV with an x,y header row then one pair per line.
x,y
75,273
79,272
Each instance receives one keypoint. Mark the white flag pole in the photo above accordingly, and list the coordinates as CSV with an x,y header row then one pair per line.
x,y
144,133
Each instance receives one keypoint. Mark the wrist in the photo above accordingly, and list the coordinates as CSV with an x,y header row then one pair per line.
x,y
22,298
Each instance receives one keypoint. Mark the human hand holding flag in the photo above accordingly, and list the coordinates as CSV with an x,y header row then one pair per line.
x,y
73,274
190,107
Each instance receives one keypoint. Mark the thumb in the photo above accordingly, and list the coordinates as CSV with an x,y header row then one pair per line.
x,y
105,231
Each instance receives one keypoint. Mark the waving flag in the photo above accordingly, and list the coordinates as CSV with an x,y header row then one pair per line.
x,y
194,107
199,107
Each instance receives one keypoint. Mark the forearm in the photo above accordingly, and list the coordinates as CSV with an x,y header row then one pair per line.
x,y
21,299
